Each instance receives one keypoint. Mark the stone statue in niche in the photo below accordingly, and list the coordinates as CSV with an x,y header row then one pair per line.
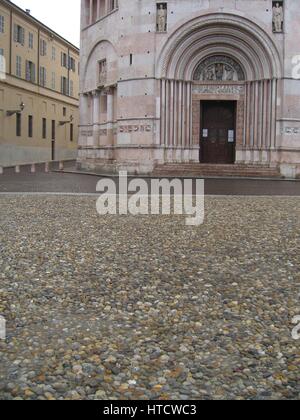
x,y
278,17
219,68
102,72
161,18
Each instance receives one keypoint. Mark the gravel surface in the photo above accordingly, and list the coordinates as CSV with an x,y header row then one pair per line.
x,y
122,307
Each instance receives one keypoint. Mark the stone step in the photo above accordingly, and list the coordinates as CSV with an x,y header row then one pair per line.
x,y
252,171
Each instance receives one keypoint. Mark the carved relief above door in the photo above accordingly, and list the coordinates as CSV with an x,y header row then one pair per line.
x,y
219,68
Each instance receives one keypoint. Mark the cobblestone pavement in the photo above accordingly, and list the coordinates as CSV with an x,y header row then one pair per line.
x,y
145,307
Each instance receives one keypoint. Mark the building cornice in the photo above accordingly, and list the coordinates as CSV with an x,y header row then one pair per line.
x,y
18,10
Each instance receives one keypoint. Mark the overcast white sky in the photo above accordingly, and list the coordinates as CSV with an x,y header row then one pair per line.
x,y
62,16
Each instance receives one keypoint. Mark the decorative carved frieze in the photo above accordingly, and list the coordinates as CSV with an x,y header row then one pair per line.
x,y
86,133
135,128
89,133
219,89
290,130
219,68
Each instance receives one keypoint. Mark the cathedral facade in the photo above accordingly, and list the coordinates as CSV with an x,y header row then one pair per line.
x,y
190,82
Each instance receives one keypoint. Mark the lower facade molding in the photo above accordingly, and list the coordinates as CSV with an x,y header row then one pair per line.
x,y
143,159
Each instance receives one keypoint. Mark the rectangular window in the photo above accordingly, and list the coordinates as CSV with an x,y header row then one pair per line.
x,y
64,60
43,48
30,40
30,126
19,34
64,111
71,88
2,64
71,132
53,81
64,86
18,66
18,125
53,54
44,133
53,130
43,77
2,24
30,71
72,64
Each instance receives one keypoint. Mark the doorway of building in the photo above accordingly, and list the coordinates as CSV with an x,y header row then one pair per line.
x,y
53,150
217,132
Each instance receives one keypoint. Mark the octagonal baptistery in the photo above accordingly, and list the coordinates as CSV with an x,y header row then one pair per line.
x,y
189,81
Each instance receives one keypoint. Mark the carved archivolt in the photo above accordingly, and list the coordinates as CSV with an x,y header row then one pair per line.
x,y
219,34
219,68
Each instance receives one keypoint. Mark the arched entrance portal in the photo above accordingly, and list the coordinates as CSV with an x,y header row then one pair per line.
x,y
219,87
218,76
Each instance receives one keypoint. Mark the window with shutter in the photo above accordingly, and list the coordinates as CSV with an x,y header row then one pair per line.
x,y
53,84
30,41
18,66
2,24
19,34
43,77
30,71
71,88
16,33
27,71
33,73
22,35
2,64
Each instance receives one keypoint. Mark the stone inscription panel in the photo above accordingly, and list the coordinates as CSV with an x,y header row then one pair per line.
x,y
219,89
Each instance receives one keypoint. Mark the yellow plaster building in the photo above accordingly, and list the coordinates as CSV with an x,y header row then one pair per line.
x,y
39,88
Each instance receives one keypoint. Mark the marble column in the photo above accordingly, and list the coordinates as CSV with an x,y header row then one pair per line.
x,y
98,9
96,116
162,112
110,106
180,113
91,12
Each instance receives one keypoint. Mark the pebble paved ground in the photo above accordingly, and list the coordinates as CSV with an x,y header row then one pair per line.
x,y
145,307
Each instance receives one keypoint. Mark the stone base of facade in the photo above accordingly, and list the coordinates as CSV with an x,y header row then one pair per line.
x,y
290,171
134,160
144,160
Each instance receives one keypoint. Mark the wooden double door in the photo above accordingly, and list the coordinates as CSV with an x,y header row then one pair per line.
x,y
217,132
